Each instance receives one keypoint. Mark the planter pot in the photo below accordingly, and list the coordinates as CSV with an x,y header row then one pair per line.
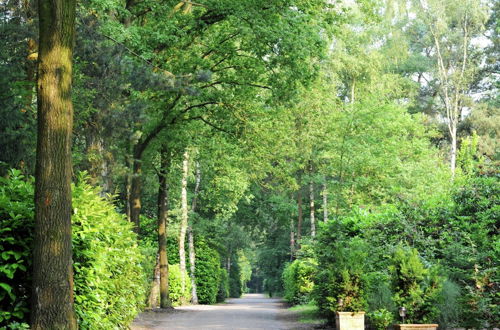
x,y
350,320
416,326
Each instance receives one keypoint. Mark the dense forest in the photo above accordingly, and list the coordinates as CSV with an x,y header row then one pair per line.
x,y
341,154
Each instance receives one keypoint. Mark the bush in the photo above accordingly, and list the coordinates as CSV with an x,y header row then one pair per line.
x,y
109,281
235,285
16,237
110,284
207,273
380,319
343,275
298,280
223,292
178,297
416,287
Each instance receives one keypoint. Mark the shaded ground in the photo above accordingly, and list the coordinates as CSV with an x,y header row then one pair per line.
x,y
253,311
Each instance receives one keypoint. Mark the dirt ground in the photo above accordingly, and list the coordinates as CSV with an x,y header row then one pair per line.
x,y
252,311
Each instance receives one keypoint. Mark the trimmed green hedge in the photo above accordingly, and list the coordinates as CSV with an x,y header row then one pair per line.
x,y
298,280
110,284
178,297
207,272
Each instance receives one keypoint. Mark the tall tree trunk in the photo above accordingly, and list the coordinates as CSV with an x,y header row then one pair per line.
x,y
52,302
299,209
135,194
165,301
311,202
292,239
184,220
453,150
192,254
325,201
311,209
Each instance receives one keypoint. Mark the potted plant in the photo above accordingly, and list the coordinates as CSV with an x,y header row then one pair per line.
x,y
340,285
351,302
416,290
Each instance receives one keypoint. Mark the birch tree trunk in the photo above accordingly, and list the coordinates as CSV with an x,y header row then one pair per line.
x,y
312,215
165,301
184,220
300,212
192,254
52,295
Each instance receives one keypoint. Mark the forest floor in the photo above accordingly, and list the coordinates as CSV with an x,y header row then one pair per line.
x,y
252,311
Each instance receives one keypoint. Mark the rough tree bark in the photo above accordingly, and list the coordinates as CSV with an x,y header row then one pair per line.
x,y
184,220
165,301
192,253
52,301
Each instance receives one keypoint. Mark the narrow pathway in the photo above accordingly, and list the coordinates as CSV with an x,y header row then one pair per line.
x,y
253,311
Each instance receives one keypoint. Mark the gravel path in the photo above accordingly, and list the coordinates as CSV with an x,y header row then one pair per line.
x,y
253,311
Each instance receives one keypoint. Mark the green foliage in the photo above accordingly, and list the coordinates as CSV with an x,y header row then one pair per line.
x,y
178,297
223,291
380,319
416,287
16,237
474,250
207,272
109,281
298,280
235,285
341,283
450,311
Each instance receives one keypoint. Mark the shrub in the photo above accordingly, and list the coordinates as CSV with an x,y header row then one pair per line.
x,y
298,280
178,297
416,287
207,272
235,285
223,292
16,237
380,319
109,281
343,274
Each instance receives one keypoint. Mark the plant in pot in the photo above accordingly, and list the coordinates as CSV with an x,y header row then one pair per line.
x,y
417,290
341,285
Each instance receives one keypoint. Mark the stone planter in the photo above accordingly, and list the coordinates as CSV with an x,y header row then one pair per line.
x,y
350,320
416,326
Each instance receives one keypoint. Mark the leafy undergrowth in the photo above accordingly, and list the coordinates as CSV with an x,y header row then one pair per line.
x,y
309,313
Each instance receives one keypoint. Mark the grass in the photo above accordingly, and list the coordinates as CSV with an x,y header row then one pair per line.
x,y
309,313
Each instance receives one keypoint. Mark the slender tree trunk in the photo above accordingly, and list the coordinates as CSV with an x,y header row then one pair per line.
x,y
325,201
453,150
192,254
311,207
292,239
312,214
52,301
165,301
184,220
135,194
299,209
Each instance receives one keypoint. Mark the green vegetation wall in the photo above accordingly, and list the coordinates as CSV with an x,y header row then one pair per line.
x,y
109,280
207,272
